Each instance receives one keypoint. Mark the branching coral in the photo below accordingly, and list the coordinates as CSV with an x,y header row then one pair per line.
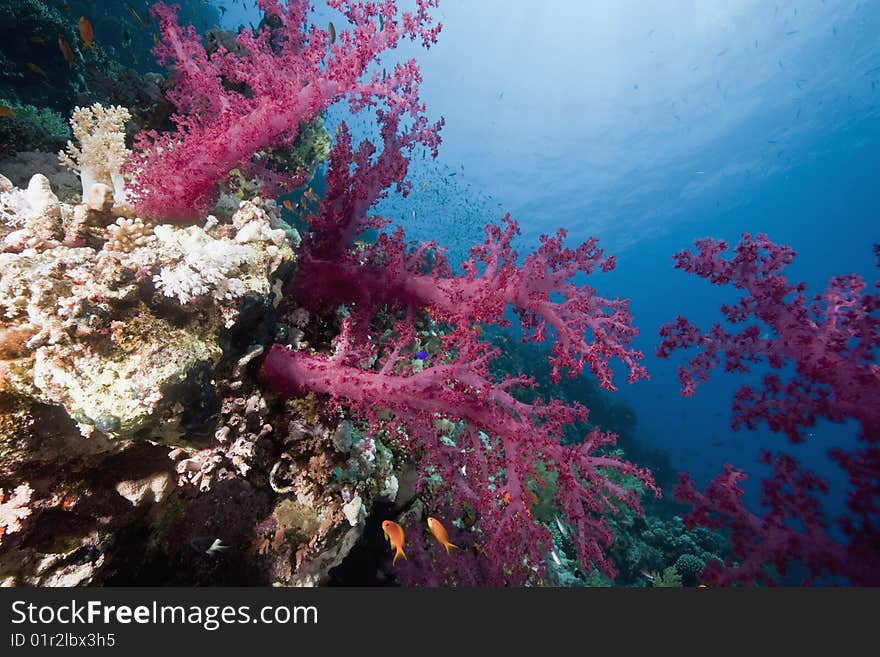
x,y
501,438
101,153
126,234
489,464
539,291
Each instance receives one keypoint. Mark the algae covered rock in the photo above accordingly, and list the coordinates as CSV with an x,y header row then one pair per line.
x,y
108,329
116,389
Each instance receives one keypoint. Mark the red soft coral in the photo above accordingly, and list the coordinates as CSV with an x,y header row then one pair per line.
x,y
497,451
831,342
588,329
831,347
500,445
489,465
793,526
233,105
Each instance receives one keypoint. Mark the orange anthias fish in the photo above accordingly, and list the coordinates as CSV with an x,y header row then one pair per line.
x,y
86,31
506,497
287,204
36,69
439,532
66,50
6,111
394,534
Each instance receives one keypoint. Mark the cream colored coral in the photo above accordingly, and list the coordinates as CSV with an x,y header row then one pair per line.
x,y
37,209
208,267
14,509
101,153
126,235
44,222
221,269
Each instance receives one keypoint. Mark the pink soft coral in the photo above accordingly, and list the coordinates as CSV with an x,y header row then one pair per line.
x,y
489,465
588,329
231,106
830,345
495,454
792,526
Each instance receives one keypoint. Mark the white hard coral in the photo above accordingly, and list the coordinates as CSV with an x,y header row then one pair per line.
x,y
126,235
101,153
215,266
84,322
208,267
14,509
35,213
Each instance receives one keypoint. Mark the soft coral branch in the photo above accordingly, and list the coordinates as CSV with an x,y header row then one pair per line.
x,y
494,456
232,105
589,330
831,346
831,342
792,528
386,290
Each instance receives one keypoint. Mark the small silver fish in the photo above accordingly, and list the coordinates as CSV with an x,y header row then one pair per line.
x,y
206,546
562,528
